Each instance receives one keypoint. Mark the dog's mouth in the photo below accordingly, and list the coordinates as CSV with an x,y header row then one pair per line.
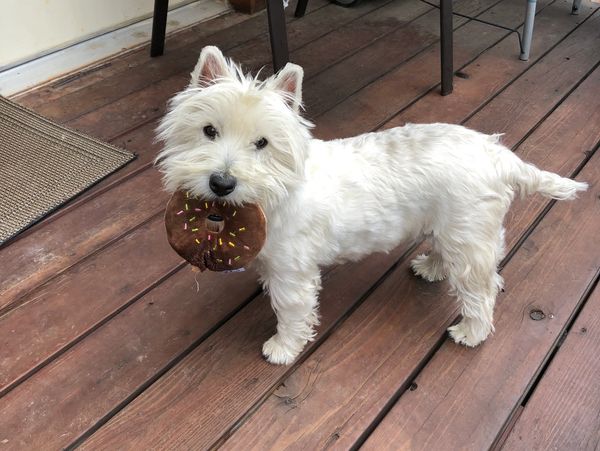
x,y
215,223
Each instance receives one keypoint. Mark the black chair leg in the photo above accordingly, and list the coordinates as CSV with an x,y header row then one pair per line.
x,y
159,26
301,8
277,33
446,46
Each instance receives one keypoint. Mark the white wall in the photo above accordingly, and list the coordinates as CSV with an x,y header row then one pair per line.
x,y
30,28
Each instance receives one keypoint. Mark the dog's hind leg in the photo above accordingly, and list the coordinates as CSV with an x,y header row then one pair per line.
x,y
472,272
294,299
429,266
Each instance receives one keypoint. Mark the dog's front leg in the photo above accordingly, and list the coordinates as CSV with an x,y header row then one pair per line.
x,y
294,299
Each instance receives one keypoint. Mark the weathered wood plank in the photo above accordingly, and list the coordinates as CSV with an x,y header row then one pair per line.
x,y
71,394
379,102
365,66
563,410
124,355
451,405
340,399
40,256
552,24
82,297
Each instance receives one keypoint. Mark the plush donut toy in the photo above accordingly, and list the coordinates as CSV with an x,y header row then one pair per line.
x,y
212,234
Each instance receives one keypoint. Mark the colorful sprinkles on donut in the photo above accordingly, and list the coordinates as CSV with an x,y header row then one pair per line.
x,y
214,235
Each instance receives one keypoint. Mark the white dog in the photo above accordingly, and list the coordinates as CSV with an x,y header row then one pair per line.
x,y
231,137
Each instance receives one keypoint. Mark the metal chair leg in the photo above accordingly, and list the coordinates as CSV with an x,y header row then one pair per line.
x,y
446,46
301,8
277,33
528,30
159,26
576,6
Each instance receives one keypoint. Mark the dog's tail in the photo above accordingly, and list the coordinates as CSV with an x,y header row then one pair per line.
x,y
528,179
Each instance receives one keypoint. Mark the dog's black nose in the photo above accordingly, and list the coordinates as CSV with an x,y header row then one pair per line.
x,y
222,184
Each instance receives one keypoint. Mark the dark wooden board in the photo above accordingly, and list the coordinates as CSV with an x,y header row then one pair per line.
x,y
68,306
119,359
97,376
367,65
463,397
551,77
345,384
40,256
384,98
563,411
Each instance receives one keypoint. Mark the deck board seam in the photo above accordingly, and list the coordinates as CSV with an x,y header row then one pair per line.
x,y
160,373
90,330
17,303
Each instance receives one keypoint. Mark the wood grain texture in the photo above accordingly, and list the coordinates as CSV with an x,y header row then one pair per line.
x,y
329,395
146,104
89,336
551,78
377,103
77,300
463,397
563,412
70,395
37,257
367,65
214,386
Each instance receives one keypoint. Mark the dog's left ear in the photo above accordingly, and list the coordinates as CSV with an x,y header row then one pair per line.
x,y
288,82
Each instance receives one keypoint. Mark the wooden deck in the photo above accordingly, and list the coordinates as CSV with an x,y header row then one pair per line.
x,y
109,341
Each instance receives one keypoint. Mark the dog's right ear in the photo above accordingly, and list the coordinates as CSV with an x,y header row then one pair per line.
x,y
211,66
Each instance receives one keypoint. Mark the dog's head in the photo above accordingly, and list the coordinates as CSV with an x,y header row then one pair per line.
x,y
231,137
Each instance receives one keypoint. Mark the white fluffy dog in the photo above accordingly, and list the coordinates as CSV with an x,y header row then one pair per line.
x,y
231,137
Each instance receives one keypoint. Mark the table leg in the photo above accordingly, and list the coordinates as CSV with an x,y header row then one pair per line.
x,y
277,33
159,26
528,30
446,46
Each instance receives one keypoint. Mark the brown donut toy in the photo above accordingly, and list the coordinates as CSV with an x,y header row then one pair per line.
x,y
212,234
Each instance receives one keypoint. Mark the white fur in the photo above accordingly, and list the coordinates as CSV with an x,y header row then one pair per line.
x,y
333,201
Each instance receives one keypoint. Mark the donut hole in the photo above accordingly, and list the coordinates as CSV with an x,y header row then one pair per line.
x,y
215,223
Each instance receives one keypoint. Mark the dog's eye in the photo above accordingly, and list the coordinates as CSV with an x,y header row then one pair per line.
x,y
210,132
261,143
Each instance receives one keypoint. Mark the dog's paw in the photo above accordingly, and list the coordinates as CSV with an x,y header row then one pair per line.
x,y
275,352
469,332
428,267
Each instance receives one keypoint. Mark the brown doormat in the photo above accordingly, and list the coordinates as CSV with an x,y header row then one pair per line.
x,y
43,165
